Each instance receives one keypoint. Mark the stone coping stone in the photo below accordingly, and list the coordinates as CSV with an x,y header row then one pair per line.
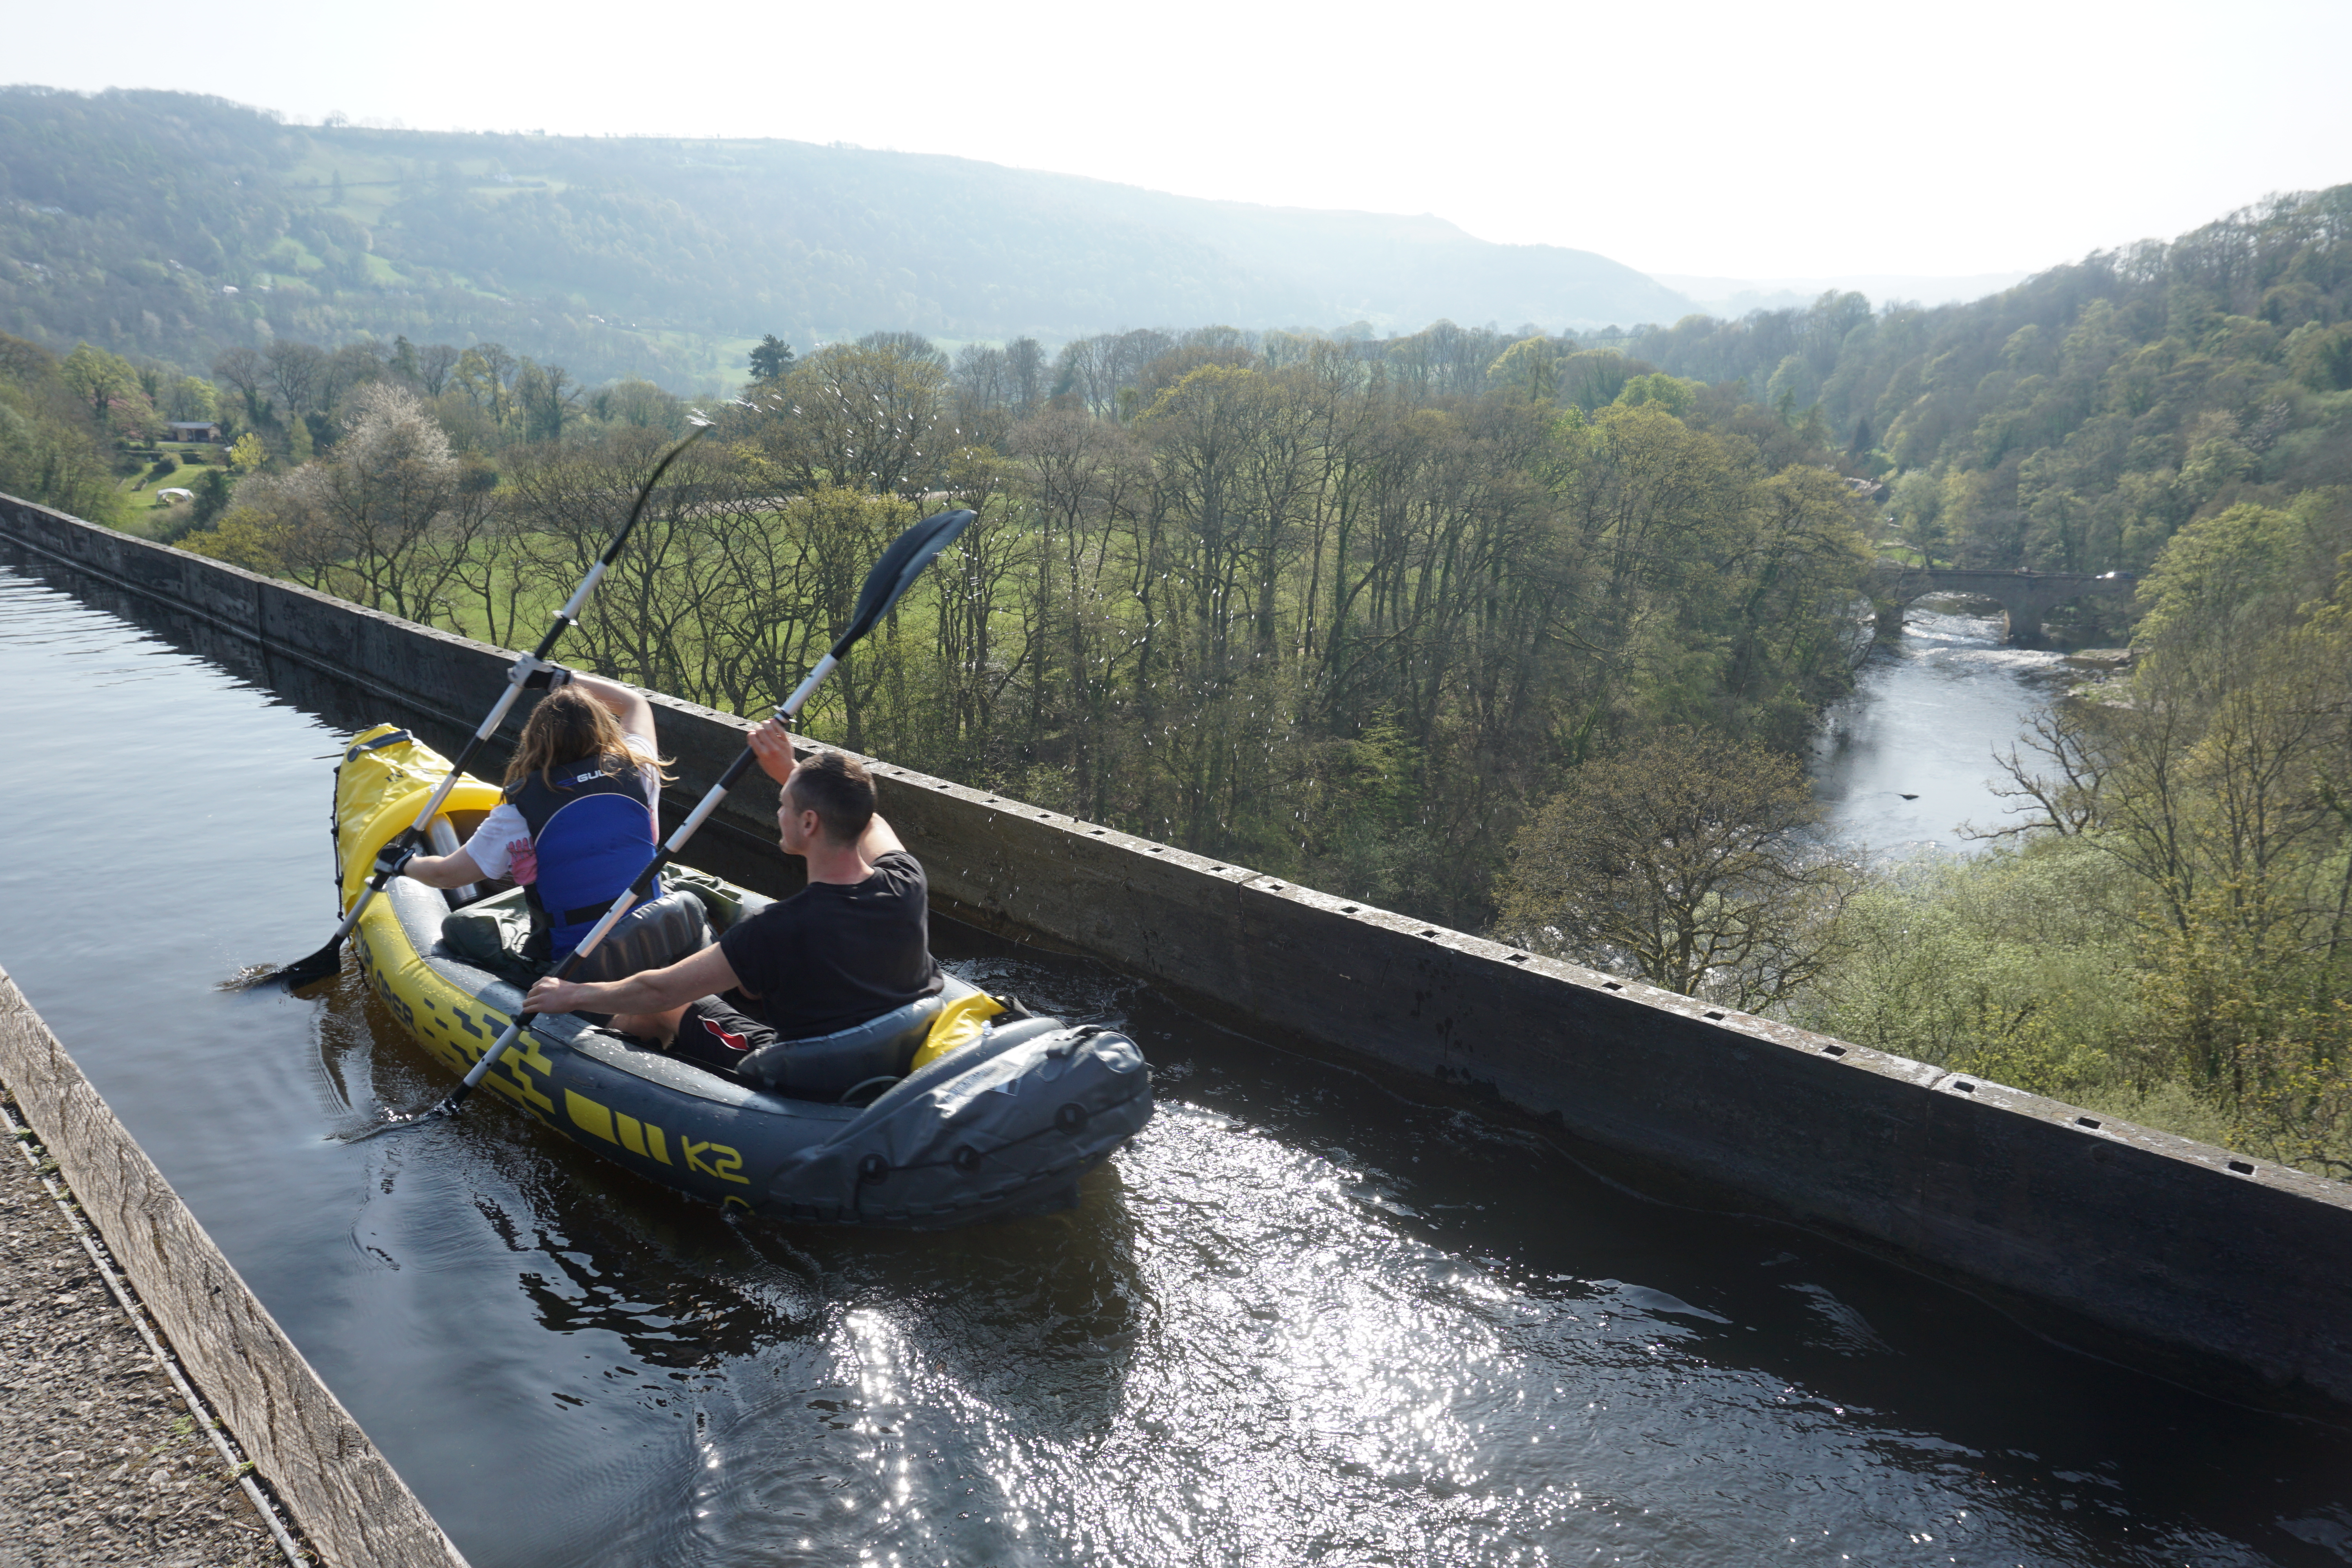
x,y
99,1459
345,1496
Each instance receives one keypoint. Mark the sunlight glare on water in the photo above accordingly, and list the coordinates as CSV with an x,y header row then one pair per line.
x,y
1301,1320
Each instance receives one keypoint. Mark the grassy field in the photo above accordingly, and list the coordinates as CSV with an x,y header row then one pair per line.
x,y
143,508
462,611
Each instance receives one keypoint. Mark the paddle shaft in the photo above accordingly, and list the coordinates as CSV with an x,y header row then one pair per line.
x,y
521,671
789,709
892,576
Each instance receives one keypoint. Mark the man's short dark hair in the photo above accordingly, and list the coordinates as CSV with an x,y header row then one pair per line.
x,y
839,790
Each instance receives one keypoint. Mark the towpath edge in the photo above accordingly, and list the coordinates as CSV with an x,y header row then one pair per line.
x,y
346,1498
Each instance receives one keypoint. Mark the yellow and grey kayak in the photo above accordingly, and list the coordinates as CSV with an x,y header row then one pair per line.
x,y
946,1115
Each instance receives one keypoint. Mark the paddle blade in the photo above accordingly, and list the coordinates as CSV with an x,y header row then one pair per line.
x,y
899,566
384,1121
323,964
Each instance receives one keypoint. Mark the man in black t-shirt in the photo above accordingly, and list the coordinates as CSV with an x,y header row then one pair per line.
x,y
850,946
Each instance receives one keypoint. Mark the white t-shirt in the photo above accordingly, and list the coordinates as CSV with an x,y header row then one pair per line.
x,y
502,844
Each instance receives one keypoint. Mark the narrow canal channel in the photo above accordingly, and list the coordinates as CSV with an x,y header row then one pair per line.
x,y
1301,1320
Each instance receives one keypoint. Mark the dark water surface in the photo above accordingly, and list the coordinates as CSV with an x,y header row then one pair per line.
x,y
1925,719
1300,1320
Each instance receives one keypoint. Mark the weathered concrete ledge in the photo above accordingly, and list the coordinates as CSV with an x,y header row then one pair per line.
x,y
2215,1267
342,1491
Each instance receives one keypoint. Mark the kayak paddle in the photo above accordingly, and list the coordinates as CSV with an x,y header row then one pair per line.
x,y
328,960
892,576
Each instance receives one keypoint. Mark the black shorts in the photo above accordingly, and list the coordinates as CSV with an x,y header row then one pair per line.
x,y
712,1034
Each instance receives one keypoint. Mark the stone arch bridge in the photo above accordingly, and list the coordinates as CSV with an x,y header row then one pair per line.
x,y
2027,596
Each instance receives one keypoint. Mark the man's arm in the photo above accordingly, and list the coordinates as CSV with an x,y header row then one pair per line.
x,y
704,973
772,747
877,839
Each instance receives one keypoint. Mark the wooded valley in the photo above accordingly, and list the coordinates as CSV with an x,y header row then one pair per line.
x,y
1517,631
171,226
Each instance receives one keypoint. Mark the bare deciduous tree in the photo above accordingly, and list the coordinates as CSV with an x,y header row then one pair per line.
x,y
1686,860
298,373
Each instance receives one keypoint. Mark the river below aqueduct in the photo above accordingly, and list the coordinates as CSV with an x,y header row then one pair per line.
x,y
1905,760
1301,1320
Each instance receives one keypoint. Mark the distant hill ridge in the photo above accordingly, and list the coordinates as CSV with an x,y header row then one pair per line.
x,y
125,217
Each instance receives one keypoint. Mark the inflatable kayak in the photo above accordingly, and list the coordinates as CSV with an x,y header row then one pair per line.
x,y
948,1111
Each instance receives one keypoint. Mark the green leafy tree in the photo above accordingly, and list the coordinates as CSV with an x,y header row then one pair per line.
x,y
100,379
1528,367
2021,964
213,493
485,374
2217,793
771,358
192,398
244,536
49,445
639,403
1671,392
1592,378
2321,357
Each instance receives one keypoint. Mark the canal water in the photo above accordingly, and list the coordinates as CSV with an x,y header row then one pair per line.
x,y
1906,761
1302,1318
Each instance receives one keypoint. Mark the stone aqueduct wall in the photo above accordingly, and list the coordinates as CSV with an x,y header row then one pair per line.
x,y
2225,1270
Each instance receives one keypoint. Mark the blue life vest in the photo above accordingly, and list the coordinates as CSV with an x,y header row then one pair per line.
x,y
592,833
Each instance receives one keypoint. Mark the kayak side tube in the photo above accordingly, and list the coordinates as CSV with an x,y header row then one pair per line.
x,y
668,1120
1004,1126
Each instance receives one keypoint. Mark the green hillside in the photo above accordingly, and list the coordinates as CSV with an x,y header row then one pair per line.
x,y
2081,419
126,218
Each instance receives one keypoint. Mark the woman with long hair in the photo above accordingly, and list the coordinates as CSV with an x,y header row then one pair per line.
x,y
581,813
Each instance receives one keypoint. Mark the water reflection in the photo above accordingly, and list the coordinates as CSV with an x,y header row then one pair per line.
x,y
1303,1319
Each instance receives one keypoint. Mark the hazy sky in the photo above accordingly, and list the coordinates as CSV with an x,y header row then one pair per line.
x,y
1746,140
